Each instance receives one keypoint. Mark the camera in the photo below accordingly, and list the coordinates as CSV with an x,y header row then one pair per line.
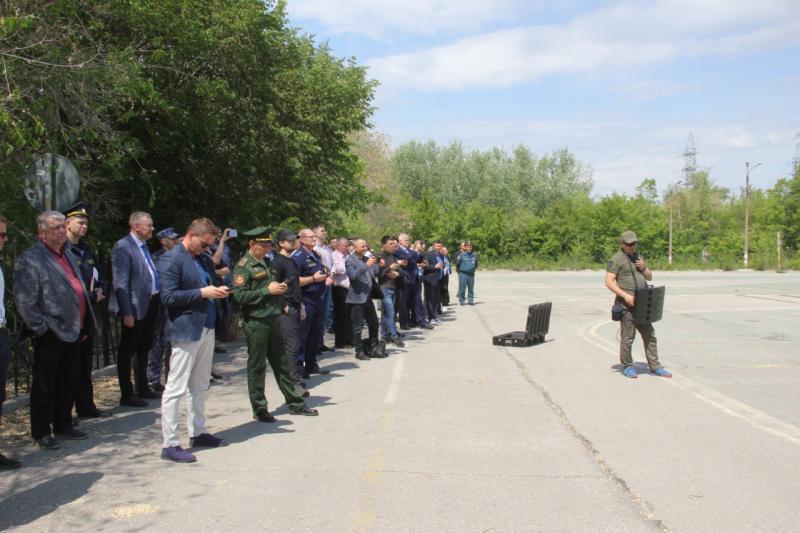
x,y
233,234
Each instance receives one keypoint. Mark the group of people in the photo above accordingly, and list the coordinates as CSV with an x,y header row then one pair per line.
x,y
289,288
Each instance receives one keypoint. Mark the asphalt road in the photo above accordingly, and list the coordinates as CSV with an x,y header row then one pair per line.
x,y
452,433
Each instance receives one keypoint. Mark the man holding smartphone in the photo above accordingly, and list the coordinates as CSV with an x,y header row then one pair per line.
x,y
260,297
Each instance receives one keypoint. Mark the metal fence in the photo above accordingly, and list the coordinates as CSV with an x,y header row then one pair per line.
x,y
106,338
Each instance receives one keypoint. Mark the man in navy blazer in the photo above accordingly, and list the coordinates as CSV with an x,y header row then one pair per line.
x,y
432,273
54,303
135,299
362,272
188,298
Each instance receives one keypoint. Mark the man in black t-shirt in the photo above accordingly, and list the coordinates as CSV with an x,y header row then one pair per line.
x,y
293,312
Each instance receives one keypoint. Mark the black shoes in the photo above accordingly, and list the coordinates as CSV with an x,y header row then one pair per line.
x,y
8,464
317,370
426,326
264,416
96,413
133,401
324,348
220,349
306,394
158,387
47,443
71,434
305,411
361,356
216,375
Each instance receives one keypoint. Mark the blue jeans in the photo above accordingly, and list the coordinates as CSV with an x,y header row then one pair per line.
x,y
466,283
388,328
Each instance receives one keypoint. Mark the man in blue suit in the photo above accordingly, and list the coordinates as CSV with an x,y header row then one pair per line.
x,y
432,280
135,299
188,298
410,286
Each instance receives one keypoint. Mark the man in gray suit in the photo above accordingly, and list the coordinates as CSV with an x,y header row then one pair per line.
x,y
188,297
361,270
54,303
135,299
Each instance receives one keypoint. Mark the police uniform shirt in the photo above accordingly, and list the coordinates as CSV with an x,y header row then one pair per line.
x,y
86,260
308,264
629,278
285,269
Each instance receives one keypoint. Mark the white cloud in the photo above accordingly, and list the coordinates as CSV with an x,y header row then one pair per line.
x,y
380,19
625,34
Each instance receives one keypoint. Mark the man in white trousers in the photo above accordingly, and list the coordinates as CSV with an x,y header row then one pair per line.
x,y
188,299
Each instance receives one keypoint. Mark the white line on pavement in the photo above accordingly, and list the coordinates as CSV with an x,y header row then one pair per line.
x,y
394,384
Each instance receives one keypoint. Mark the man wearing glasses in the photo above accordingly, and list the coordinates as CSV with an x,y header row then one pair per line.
x,y
188,298
625,272
135,299
56,306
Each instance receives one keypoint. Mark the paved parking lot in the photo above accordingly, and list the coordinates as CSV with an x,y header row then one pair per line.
x,y
452,433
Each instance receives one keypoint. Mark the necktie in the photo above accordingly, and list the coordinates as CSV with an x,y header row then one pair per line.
x,y
151,265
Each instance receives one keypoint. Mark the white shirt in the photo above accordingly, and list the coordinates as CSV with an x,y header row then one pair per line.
x,y
2,299
325,255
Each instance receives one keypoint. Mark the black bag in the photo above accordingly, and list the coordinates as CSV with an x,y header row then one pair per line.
x,y
617,310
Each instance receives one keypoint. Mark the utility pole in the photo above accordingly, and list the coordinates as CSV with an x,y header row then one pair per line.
x,y
747,207
689,158
671,206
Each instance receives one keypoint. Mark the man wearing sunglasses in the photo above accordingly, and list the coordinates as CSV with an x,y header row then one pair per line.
x,y
187,295
626,272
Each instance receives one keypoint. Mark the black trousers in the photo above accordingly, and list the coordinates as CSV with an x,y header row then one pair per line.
x,y
84,393
445,284
136,342
341,322
360,313
405,303
56,365
433,293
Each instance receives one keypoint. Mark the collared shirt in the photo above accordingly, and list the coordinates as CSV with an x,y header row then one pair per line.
x,y
326,255
74,281
339,270
148,260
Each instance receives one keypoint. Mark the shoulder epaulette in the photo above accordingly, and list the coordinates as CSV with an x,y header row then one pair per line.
x,y
242,262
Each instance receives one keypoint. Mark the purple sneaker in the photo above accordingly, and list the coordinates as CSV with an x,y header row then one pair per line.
x,y
177,454
207,440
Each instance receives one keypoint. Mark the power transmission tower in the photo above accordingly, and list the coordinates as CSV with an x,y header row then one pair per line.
x,y
689,158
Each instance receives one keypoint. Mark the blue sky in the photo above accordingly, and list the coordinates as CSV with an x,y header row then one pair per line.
x,y
620,83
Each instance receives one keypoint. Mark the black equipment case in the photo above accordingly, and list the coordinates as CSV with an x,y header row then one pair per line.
x,y
649,305
535,329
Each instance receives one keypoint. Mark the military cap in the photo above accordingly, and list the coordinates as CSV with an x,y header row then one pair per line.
x,y
629,237
168,233
286,235
259,234
78,209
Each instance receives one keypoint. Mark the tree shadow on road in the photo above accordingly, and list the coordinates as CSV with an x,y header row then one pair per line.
x,y
31,504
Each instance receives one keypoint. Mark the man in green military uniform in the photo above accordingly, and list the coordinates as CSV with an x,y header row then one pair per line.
x,y
625,272
260,298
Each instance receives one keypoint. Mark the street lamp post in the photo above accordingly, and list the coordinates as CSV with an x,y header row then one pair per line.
x,y
747,207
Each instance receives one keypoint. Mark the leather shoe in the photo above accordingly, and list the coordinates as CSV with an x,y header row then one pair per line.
x,y
133,401
317,370
48,443
426,326
305,411
362,357
324,348
151,394
306,394
72,434
158,387
405,327
96,413
8,464
264,416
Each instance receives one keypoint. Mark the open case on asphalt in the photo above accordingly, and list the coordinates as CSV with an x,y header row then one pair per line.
x,y
536,328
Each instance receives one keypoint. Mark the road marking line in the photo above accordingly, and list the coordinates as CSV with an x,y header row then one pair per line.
x,y
755,418
364,515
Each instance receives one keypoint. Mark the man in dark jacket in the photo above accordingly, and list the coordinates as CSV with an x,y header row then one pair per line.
x,y
362,272
56,307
